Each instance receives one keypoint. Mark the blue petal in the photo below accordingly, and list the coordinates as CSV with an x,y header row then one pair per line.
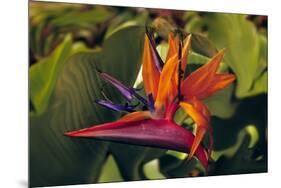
x,y
115,107
127,92
150,102
124,90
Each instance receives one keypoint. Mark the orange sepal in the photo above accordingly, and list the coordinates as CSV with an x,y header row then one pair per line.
x,y
173,49
150,73
201,116
168,83
200,133
136,116
185,51
219,82
199,81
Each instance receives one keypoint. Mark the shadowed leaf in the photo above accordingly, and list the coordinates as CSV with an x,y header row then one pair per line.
x,y
57,159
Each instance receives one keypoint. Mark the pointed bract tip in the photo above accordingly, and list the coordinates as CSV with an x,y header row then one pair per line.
x,y
71,134
79,133
188,38
217,58
222,51
98,70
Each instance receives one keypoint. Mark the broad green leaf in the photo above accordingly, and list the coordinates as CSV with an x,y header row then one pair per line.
x,y
262,56
119,19
41,10
173,167
126,20
82,18
260,83
221,104
194,23
44,74
202,45
124,25
249,111
132,158
250,130
110,171
54,158
162,50
60,160
49,23
123,52
152,170
253,132
240,159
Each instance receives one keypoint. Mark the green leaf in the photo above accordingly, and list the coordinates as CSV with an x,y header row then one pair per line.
x,y
126,20
54,158
152,170
173,167
49,23
44,74
200,44
221,104
132,158
110,171
86,19
241,159
262,56
122,51
119,19
162,50
60,160
194,23
260,83
249,111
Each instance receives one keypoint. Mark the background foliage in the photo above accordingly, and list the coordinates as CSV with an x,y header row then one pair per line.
x,y
68,42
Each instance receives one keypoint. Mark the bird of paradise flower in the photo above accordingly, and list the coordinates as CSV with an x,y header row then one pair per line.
x,y
167,90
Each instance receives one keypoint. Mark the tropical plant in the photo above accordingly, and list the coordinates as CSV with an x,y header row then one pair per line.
x,y
87,47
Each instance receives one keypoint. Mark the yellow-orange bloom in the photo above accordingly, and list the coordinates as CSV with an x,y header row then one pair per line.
x,y
199,85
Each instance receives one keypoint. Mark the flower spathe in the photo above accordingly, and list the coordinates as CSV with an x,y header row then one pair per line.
x,y
167,90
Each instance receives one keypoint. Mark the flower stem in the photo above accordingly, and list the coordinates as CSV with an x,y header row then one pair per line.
x,y
171,110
